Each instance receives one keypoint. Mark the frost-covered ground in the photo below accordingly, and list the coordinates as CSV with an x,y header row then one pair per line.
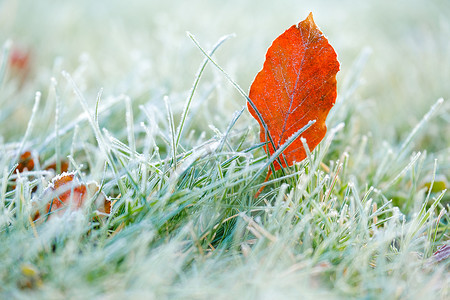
x,y
355,221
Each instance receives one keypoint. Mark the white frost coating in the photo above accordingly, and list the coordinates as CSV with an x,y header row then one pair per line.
x,y
196,154
51,184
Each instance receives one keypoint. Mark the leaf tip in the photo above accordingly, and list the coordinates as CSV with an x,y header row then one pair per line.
x,y
308,22
309,19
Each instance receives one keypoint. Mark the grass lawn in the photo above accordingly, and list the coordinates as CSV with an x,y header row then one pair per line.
x,y
118,93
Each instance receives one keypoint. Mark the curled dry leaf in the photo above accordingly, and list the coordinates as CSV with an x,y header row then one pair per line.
x,y
26,162
70,192
296,85
66,191
64,165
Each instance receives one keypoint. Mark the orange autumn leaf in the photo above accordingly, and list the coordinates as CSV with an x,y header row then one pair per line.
x,y
296,85
64,166
69,193
26,162
73,192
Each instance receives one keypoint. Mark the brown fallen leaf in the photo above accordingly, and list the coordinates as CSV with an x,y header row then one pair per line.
x,y
64,165
68,192
73,192
25,163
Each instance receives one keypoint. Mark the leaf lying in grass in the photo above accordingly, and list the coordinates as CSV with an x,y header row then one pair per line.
x,y
26,162
64,166
296,85
72,194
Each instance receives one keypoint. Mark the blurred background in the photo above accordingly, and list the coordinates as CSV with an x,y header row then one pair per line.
x,y
395,56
